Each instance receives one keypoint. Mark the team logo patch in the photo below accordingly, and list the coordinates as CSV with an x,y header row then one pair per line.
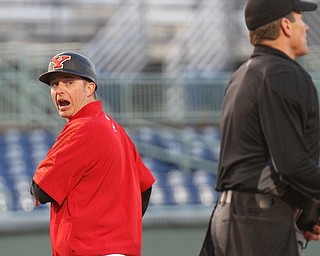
x,y
59,60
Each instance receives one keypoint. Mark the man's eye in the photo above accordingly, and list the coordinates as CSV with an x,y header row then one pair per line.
x,y
53,84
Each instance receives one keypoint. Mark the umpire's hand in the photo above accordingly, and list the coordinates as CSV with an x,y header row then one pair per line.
x,y
313,236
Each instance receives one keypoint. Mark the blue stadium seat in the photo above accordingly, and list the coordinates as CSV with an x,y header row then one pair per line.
x,y
207,195
211,133
165,137
21,152
6,196
17,167
147,135
179,178
15,136
201,150
38,152
161,178
160,195
40,136
182,195
201,177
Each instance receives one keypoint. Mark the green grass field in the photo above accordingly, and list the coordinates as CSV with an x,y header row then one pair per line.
x,y
156,242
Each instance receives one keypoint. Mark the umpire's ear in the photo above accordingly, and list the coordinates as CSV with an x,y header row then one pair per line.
x,y
286,27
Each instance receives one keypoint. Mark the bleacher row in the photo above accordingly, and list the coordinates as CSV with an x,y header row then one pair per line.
x,y
177,187
21,152
174,184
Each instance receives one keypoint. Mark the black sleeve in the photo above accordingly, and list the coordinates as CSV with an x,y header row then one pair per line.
x,y
289,120
145,199
39,194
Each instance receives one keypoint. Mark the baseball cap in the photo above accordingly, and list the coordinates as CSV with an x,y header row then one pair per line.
x,y
262,12
70,63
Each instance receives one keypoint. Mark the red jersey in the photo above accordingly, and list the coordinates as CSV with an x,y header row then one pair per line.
x,y
96,176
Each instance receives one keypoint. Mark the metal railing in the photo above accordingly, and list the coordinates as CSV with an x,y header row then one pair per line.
x,y
128,98
183,100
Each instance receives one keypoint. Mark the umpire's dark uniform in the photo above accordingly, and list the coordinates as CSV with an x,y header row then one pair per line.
x,y
270,142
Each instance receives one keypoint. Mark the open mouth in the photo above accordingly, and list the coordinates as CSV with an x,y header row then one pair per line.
x,y
63,103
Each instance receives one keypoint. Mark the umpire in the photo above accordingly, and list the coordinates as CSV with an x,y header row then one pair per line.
x,y
268,172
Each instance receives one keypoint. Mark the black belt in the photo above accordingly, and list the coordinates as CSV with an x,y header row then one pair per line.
x,y
263,200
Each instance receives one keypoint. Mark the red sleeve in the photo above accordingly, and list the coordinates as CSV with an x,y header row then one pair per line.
x,y
145,176
65,163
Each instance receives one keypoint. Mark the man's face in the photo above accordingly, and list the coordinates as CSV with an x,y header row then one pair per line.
x,y
69,93
299,36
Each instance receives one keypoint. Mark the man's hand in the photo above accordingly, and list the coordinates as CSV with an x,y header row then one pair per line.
x,y
39,195
313,235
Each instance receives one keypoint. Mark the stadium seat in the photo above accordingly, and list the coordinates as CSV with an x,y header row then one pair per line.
x,y
182,195
21,152
160,195
147,135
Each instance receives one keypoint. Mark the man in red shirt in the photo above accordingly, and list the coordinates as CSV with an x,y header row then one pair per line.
x,y
93,175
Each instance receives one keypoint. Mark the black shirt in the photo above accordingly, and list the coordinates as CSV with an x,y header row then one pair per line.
x,y
270,127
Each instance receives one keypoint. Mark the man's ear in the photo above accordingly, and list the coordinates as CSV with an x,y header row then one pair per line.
x,y
286,27
91,87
